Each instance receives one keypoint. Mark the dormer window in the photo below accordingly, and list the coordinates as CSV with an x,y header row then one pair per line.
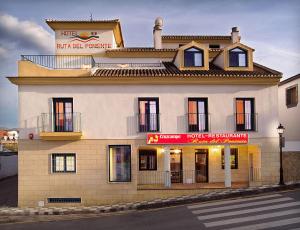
x,y
238,58
193,57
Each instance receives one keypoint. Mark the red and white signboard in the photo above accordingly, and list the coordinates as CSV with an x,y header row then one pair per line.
x,y
201,138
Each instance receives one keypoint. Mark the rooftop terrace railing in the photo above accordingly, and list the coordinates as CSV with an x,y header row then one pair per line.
x,y
61,61
82,62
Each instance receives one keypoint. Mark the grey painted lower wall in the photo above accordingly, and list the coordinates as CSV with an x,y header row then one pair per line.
x,y
8,165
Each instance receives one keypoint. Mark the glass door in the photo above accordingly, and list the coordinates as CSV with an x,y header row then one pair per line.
x,y
201,165
63,114
176,166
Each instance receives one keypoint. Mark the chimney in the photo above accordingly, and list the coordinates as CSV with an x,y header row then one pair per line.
x,y
157,29
235,35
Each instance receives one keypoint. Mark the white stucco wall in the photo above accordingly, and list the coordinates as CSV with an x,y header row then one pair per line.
x,y
109,112
290,117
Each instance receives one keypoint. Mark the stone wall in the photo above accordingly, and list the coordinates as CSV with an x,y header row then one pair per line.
x,y
291,166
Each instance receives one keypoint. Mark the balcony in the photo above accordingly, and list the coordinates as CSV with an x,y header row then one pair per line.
x,y
148,122
198,122
60,126
245,121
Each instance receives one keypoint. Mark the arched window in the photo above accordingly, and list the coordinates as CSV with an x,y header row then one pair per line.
x,y
238,58
193,57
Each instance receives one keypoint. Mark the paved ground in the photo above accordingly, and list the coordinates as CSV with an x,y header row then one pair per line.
x,y
9,192
267,211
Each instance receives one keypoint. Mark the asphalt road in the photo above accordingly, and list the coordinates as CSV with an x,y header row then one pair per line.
x,y
268,211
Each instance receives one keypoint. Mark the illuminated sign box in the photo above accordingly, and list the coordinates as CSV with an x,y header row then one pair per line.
x,y
205,138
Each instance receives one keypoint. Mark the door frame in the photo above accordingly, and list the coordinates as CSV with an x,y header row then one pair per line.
x,y
64,100
207,163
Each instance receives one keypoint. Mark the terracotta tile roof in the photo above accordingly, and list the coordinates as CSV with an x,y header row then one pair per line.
x,y
171,70
140,49
196,37
82,20
150,49
290,79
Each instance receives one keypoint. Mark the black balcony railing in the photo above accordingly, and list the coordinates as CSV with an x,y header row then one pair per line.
x,y
246,121
60,122
198,122
148,122
61,61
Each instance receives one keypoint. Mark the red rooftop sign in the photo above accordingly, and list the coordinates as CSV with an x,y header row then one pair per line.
x,y
201,138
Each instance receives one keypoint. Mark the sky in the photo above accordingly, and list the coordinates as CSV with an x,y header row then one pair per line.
x,y
271,27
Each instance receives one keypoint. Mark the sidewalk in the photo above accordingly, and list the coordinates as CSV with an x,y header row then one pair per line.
x,y
158,203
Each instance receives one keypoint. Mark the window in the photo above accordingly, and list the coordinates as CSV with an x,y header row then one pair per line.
x,y
214,46
148,114
291,94
119,163
63,162
233,158
238,58
63,114
197,115
245,115
193,57
147,160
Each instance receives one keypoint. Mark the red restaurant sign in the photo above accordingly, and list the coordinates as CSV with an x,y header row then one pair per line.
x,y
202,138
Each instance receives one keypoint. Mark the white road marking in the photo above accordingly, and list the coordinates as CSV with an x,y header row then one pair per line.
x,y
233,201
252,218
242,205
265,225
240,212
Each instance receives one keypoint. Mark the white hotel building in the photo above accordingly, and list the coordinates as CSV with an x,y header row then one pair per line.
x,y
93,115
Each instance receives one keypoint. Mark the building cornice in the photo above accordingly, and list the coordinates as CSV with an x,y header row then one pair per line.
x,y
144,80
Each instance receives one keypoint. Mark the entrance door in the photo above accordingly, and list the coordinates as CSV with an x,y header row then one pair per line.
x,y
201,165
176,166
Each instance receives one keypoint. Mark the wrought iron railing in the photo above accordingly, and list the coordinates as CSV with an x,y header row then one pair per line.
x,y
148,122
198,122
246,122
161,177
60,122
83,62
61,61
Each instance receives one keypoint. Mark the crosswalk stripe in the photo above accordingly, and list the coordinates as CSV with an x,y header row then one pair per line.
x,y
271,224
242,205
240,212
233,201
251,218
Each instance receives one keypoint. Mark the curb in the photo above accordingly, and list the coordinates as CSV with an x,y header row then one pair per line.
x,y
145,205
